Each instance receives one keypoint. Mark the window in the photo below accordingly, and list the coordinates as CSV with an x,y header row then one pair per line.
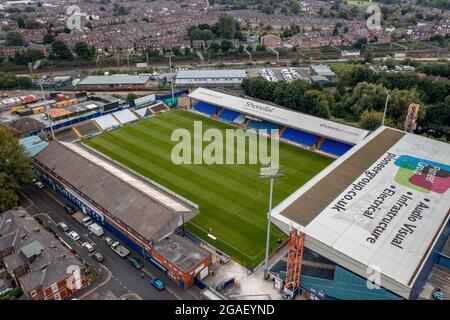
x,y
33,293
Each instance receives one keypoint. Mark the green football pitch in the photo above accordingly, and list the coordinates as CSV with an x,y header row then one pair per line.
x,y
233,200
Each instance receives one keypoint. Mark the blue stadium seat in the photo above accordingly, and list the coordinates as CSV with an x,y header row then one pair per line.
x,y
317,272
206,108
261,125
301,137
334,147
281,265
229,115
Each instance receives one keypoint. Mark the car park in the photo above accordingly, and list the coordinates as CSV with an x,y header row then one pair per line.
x,y
136,263
98,256
74,236
63,226
158,284
89,247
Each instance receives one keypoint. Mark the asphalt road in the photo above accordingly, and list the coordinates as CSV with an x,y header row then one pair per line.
x,y
123,279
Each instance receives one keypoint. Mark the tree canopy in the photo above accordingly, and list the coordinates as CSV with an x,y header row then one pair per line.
x,y
15,169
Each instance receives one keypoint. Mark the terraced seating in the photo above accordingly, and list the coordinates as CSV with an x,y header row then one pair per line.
x,y
229,115
206,108
300,137
334,147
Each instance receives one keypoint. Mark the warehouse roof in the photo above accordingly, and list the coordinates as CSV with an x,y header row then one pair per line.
x,y
140,204
115,79
208,74
384,203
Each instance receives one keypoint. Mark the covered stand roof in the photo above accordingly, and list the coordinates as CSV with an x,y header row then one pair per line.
x,y
144,207
286,117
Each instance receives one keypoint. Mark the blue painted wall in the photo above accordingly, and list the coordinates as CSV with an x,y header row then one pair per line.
x,y
345,286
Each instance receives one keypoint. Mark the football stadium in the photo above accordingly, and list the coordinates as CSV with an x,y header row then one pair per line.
x,y
232,199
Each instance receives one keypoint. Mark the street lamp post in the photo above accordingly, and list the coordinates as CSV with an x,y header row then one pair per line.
x,y
385,106
170,55
46,110
269,172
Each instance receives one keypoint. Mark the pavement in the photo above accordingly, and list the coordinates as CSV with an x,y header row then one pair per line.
x,y
117,276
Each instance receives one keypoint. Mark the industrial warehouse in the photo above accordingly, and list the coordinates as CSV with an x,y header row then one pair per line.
x,y
381,209
141,214
210,78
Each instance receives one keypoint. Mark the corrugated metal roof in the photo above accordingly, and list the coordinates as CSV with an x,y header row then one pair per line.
x,y
115,79
120,193
202,74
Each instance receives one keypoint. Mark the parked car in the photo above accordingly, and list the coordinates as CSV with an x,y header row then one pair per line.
x,y
70,209
158,284
39,184
89,247
63,226
108,241
98,256
136,263
74,236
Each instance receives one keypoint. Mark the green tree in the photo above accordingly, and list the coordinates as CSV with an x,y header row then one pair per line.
x,y
371,120
82,49
60,51
399,101
226,45
14,38
15,169
49,38
131,97
227,26
439,113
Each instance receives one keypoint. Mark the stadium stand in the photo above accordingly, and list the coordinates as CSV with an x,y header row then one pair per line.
x,y
301,137
261,125
159,107
206,108
125,116
87,128
281,265
107,122
240,119
141,112
309,255
334,147
317,272
229,115
66,134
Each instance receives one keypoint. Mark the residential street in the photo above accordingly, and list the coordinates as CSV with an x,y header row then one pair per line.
x,y
117,275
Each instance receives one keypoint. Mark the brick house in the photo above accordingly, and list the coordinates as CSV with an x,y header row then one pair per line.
x,y
271,41
36,260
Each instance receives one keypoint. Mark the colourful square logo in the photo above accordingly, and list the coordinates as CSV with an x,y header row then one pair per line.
x,y
422,175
